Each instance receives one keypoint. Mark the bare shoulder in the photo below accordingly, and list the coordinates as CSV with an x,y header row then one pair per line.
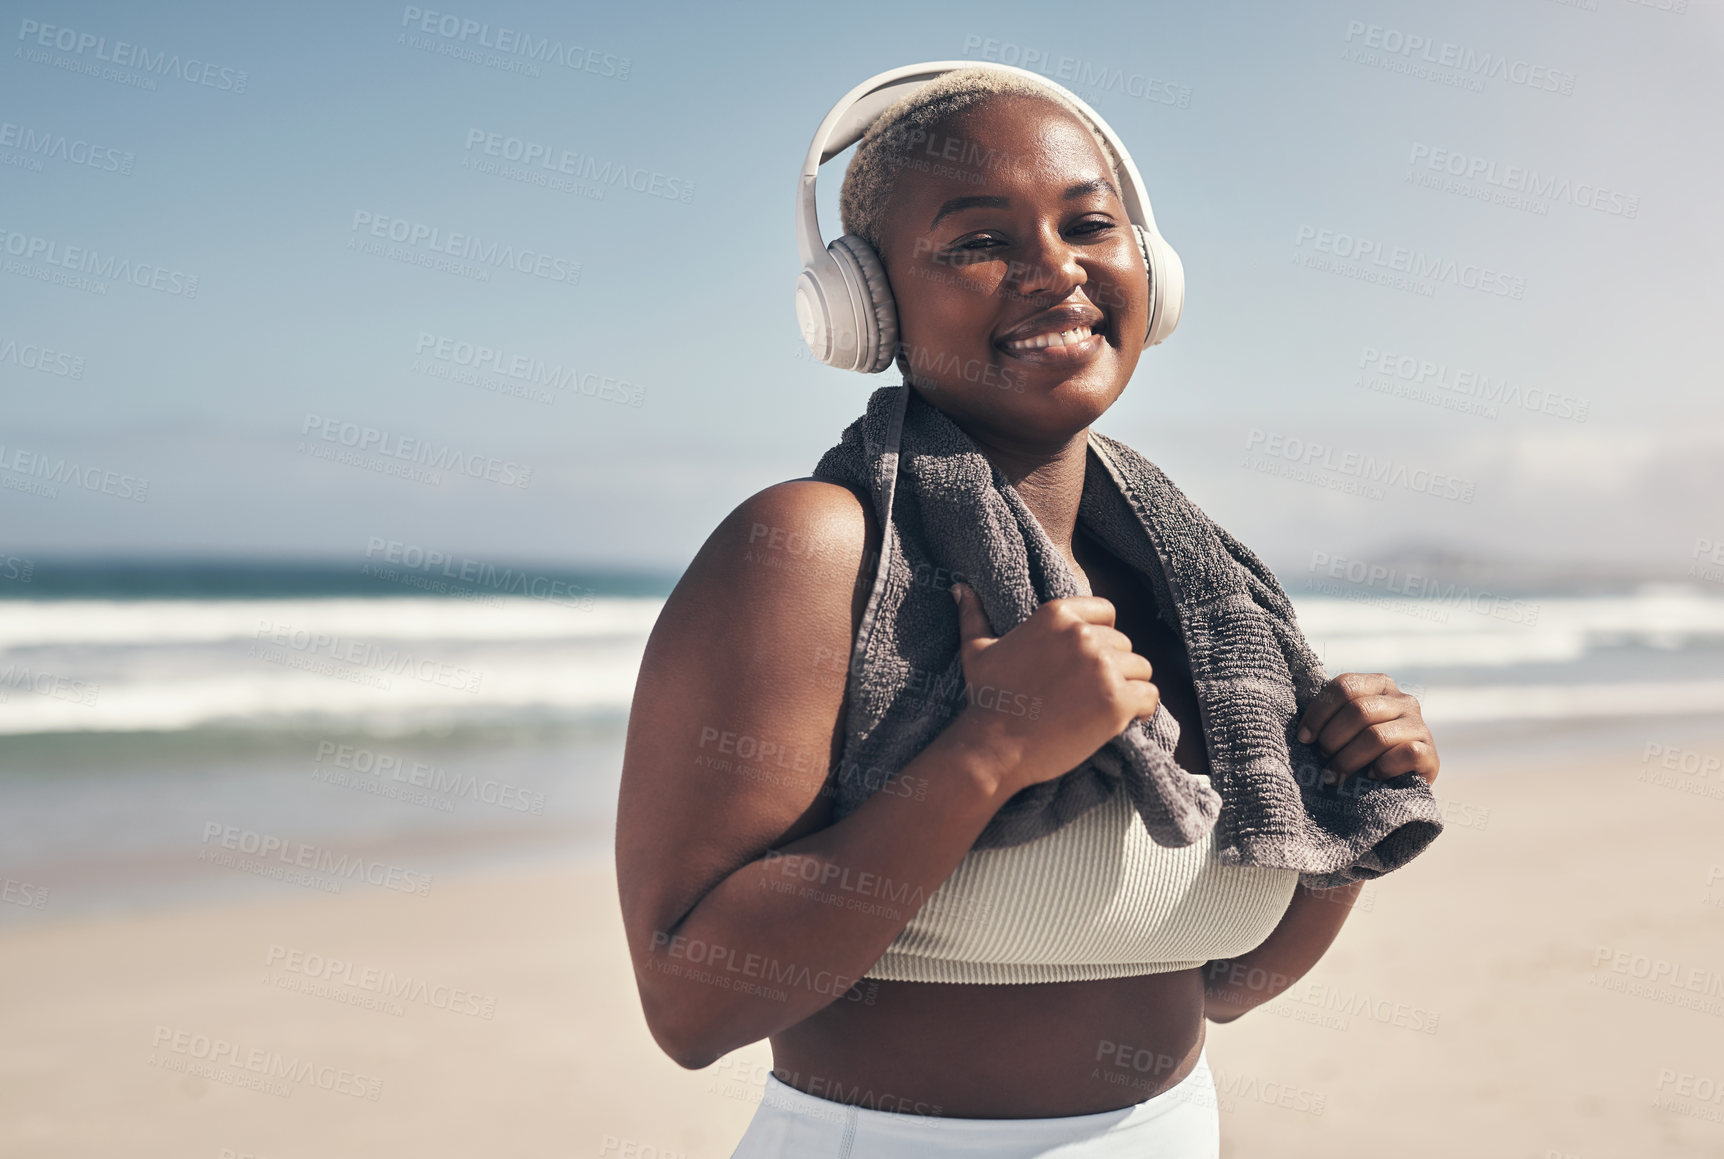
x,y
800,521
804,545
738,709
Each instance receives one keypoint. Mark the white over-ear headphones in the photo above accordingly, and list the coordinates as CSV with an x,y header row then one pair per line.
x,y
843,302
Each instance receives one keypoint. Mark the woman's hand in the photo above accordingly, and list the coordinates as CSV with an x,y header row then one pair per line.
x,y
1361,721
1054,689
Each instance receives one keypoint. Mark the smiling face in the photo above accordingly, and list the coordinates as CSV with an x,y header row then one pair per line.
x,y
1022,296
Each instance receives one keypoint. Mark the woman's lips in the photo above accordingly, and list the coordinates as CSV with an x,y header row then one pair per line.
x,y
1066,348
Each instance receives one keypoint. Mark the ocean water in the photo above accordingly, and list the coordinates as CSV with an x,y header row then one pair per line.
x,y
157,728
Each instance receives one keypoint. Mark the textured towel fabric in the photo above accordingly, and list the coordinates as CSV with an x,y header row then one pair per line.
x,y
950,515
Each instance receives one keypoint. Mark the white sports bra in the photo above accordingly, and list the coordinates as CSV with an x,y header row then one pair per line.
x,y
1097,898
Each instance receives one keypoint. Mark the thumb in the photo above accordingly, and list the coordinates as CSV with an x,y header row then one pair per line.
x,y
972,620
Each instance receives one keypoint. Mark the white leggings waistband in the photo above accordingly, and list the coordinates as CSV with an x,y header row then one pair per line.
x,y
1179,1123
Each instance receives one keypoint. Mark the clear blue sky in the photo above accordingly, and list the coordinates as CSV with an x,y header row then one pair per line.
x,y
1290,137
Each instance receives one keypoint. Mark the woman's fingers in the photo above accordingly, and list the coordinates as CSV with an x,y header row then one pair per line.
x,y
1374,741
1336,696
1412,756
1355,717
1133,667
1363,722
1108,637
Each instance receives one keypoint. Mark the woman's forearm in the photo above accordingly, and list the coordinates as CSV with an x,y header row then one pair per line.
x,y
1232,986
789,933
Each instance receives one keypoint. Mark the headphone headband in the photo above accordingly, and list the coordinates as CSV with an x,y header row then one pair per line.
x,y
839,272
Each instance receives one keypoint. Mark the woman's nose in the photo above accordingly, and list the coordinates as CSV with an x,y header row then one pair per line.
x,y
1046,264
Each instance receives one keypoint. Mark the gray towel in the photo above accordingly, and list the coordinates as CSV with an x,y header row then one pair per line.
x,y
950,515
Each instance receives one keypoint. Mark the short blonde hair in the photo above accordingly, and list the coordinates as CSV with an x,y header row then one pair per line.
x,y
889,146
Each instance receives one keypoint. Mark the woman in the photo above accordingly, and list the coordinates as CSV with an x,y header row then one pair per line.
x,y
755,911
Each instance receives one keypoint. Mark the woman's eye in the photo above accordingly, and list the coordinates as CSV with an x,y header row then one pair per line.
x,y
967,253
976,249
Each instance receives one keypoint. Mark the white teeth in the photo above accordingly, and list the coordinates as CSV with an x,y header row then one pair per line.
x,y
1042,341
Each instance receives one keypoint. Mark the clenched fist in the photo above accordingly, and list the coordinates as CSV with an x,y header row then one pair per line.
x,y
1068,656
1363,722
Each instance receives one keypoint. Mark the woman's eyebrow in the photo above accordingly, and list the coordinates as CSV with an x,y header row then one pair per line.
x,y
995,201
1094,185
974,201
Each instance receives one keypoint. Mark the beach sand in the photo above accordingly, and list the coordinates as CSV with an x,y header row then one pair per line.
x,y
1481,1001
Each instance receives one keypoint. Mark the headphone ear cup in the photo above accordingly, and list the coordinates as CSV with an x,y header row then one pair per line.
x,y
1166,285
878,329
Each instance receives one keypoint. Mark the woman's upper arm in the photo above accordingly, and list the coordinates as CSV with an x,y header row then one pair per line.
x,y
738,709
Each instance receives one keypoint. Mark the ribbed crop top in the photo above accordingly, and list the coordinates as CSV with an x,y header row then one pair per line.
x,y
1097,898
